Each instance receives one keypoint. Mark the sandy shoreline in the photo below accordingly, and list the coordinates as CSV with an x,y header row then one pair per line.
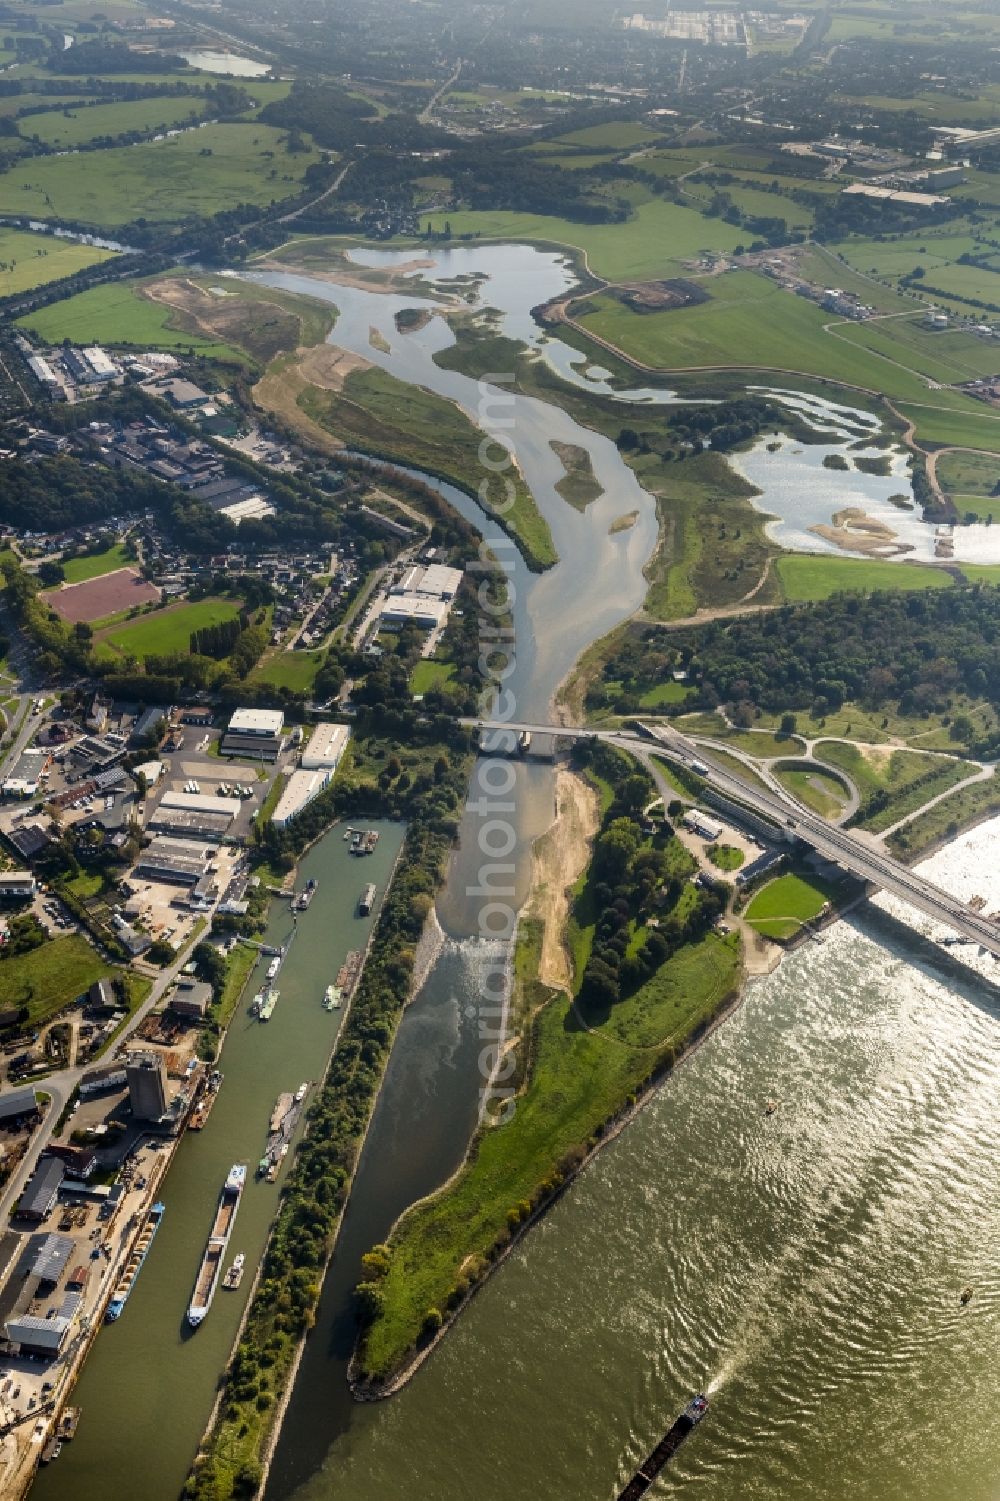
x,y
557,859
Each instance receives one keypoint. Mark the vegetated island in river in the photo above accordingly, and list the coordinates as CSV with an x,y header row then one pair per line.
x,y
647,973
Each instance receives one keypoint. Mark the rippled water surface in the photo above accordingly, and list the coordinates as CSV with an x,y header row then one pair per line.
x,y
804,1268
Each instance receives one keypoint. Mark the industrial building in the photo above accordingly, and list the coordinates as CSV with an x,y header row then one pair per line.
x,y
414,609
43,371
191,998
101,365
699,823
101,1080
23,780
179,862
327,744
439,582
254,732
37,1336
147,1086
17,885
42,1189
195,816
302,787
19,1105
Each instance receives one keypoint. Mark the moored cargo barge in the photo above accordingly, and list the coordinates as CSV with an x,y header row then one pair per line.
x,y
222,1226
665,1449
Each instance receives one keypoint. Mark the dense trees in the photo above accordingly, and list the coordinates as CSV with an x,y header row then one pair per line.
x,y
913,652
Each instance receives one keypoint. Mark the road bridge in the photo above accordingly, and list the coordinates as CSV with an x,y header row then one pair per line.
x,y
867,860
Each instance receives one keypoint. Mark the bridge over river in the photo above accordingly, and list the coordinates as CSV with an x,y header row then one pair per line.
x,y
863,856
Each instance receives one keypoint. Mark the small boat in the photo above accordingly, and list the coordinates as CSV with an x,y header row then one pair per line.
x,y
256,1003
273,1170
263,1165
274,966
333,997
234,1276
966,1296
300,1093
366,900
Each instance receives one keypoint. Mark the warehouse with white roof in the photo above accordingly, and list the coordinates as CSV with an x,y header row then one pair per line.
x,y
327,744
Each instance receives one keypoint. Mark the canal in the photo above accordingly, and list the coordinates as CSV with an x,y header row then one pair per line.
x,y
148,1386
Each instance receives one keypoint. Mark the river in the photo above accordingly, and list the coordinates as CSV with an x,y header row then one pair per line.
x,y
804,1268
149,1383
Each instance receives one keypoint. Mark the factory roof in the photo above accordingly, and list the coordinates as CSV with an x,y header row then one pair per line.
x,y
201,802
42,1334
302,787
438,580
326,745
18,1102
40,1194
256,722
48,1256
416,607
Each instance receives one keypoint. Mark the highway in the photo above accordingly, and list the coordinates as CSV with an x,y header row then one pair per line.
x,y
863,858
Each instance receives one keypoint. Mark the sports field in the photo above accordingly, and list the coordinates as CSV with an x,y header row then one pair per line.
x,y
30,260
164,632
201,172
94,564
781,907
650,244
98,597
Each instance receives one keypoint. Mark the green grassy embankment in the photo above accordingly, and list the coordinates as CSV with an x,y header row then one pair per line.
x,y
946,819
586,1063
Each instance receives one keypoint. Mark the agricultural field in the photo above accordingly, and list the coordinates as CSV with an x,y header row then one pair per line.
x,y
200,172
94,564
966,473
650,244
163,632
751,323
67,128
117,314
617,135
31,260
948,356
978,428
806,576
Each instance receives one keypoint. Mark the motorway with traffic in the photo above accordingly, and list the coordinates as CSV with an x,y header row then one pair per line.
x,y
865,859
